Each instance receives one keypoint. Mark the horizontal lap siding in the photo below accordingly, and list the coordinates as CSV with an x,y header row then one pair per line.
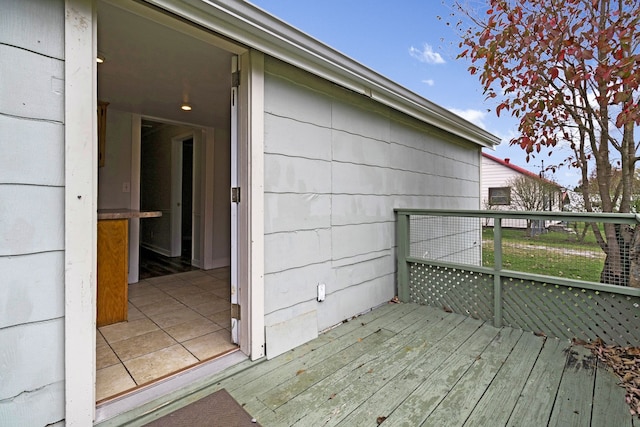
x,y
336,165
32,212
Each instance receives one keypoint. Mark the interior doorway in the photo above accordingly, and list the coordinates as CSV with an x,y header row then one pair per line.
x,y
187,200
167,162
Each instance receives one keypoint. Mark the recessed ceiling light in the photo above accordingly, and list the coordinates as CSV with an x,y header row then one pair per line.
x,y
185,107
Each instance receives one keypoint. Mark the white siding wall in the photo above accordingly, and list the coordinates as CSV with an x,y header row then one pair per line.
x,y
31,212
494,175
336,165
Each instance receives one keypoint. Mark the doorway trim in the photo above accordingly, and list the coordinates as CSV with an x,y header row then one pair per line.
x,y
80,215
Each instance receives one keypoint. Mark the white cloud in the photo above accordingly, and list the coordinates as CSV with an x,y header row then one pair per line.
x,y
429,82
474,116
426,55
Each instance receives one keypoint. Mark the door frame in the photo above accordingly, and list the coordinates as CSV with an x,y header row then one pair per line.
x,y
81,172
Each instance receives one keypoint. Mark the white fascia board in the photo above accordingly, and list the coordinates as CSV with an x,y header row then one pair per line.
x,y
247,24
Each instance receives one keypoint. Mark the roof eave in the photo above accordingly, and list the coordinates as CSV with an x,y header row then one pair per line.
x,y
250,25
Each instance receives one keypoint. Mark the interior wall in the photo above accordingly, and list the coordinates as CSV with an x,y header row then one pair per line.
x,y
114,179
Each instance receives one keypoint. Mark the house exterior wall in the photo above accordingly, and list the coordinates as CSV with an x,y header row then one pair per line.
x,y
32,213
494,175
336,165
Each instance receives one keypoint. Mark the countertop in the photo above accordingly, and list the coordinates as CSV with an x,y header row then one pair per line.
x,y
126,214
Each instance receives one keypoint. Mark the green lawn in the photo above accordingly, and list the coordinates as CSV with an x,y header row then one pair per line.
x,y
552,254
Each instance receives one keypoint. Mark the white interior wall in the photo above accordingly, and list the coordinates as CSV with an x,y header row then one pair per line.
x,y
116,173
336,165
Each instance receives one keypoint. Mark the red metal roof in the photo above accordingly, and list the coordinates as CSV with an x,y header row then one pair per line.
x,y
518,169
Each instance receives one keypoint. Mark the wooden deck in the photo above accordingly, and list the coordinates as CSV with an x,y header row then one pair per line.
x,y
411,365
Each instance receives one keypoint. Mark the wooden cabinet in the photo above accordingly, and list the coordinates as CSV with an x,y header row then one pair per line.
x,y
113,254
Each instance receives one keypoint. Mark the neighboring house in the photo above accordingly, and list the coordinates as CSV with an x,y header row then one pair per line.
x,y
496,180
321,148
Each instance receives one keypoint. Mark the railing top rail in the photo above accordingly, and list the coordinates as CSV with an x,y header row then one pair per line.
x,y
619,218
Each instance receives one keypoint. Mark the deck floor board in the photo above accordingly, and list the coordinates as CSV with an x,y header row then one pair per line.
x,y
410,365
508,384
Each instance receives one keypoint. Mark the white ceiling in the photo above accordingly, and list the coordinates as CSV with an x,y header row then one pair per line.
x,y
151,69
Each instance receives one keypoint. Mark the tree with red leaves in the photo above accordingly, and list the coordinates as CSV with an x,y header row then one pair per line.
x,y
569,71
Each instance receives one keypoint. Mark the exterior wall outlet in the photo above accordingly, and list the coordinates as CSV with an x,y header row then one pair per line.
x,y
321,291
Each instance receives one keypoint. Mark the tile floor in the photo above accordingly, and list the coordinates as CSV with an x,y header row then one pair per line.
x,y
174,322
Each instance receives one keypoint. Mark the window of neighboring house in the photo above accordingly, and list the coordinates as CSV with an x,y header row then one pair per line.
x,y
499,196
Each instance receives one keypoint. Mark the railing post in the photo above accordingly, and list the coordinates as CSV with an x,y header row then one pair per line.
x,y
497,276
402,234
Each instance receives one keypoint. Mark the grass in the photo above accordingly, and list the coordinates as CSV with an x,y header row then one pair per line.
x,y
553,254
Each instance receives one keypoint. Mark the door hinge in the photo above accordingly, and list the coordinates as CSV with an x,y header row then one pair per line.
x,y
235,311
235,79
235,194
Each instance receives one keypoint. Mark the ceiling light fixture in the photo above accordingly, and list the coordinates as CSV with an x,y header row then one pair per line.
x,y
185,107
100,58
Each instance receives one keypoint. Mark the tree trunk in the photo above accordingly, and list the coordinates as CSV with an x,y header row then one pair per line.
x,y
617,264
634,260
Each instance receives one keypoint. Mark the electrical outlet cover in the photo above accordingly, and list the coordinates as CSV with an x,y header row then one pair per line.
x,y
321,292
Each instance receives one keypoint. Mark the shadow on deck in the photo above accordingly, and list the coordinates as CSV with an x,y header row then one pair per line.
x,y
406,364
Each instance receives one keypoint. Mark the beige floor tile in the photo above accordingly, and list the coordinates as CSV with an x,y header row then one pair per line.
x,y
207,286
222,318
134,314
142,344
161,307
153,298
210,345
199,298
112,380
160,363
215,306
223,274
205,279
184,290
141,288
100,341
192,329
191,274
106,357
172,286
174,317
224,293
124,330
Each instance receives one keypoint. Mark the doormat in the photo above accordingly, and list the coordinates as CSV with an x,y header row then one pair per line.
x,y
217,409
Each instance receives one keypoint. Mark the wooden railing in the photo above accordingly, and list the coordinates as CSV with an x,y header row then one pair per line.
x,y
545,280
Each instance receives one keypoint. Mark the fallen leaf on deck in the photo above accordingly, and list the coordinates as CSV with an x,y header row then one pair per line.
x,y
447,309
332,396
380,420
301,371
625,364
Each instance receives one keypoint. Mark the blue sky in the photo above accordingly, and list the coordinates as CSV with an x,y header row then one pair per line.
x,y
405,41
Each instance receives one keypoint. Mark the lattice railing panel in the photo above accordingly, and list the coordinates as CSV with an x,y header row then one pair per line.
x,y
571,312
458,290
